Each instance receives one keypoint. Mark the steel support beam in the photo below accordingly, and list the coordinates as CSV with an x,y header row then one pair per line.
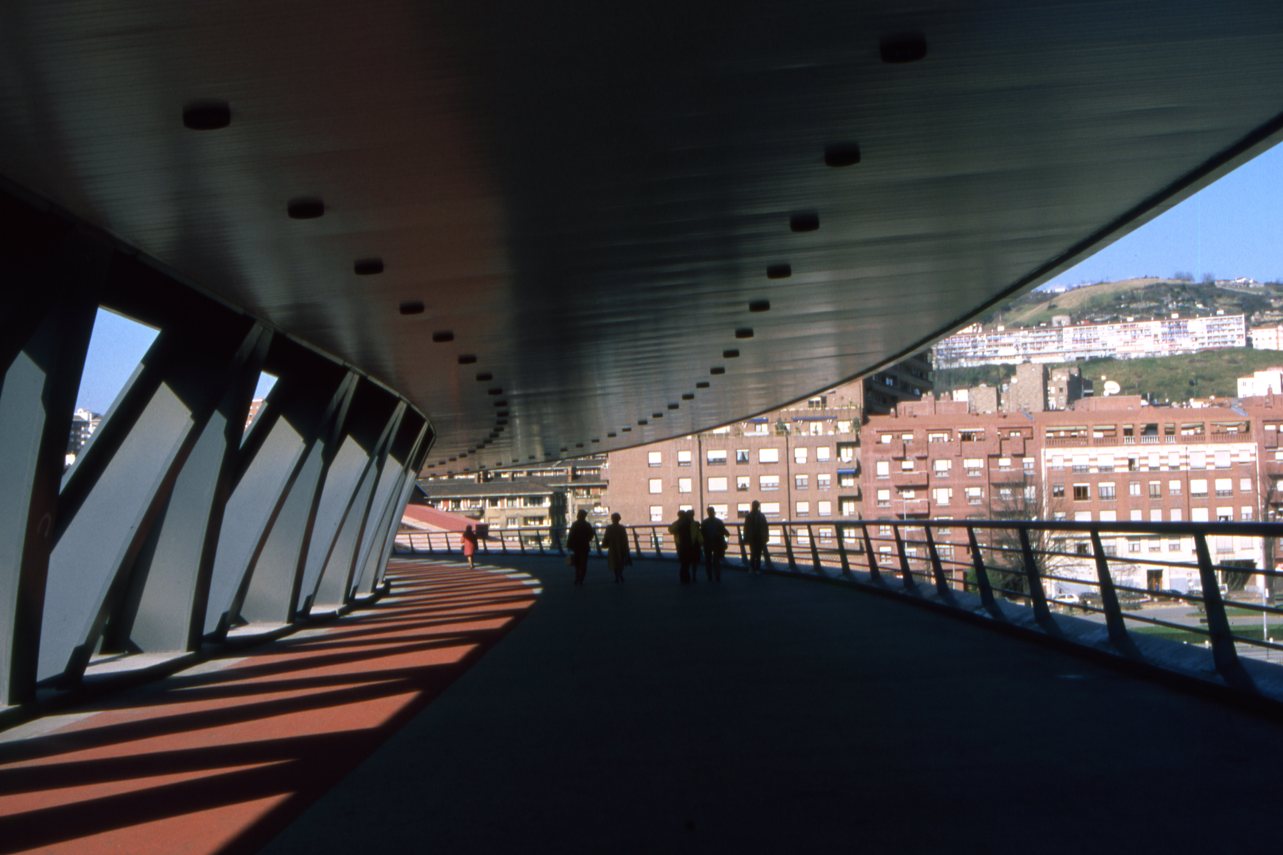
x,y
48,318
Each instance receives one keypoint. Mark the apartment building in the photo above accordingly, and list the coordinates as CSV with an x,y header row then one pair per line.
x,y
1127,340
1106,459
500,504
802,462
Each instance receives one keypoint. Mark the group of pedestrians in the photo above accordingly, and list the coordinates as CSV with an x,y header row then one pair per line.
x,y
694,539
705,539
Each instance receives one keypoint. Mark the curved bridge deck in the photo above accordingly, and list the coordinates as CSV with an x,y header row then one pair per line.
x,y
763,714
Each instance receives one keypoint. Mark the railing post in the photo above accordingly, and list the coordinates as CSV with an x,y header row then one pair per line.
x,y
815,550
1224,653
937,568
1108,596
1037,596
596,536
875,572
636,543
846,564
905,573
657,539
521,540
982,574
743,548
788,547
539,541
503,541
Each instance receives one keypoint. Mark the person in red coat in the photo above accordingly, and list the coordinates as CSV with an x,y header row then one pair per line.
x,y
469,545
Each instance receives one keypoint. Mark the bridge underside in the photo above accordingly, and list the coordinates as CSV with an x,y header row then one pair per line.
x,y
547,225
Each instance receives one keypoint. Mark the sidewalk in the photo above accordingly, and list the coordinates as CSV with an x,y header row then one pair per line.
x,y
222,756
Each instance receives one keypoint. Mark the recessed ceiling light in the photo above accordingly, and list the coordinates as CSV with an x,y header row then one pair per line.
x,y
903,47
730,354
502,414
842,154
626,429
717,369
642,422
494,390
611,435
501,403
579,445
805,221
411,307
442,336
744,332
759,306
207,114
305,208
688,396
484,377
656,415
779,271
467,358
673,406
703,384
367,266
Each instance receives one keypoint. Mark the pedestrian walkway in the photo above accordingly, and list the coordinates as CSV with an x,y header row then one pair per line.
x,y
776,715
762,714
222,756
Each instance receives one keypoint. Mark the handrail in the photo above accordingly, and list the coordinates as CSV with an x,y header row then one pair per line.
x,y
1052,568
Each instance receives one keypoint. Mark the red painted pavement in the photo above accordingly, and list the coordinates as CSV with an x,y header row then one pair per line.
x,y
219,760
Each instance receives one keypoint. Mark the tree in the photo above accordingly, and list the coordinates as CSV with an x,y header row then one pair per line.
x,y
1019,498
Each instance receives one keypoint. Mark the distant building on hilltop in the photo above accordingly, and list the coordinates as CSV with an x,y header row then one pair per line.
x,y
1132,339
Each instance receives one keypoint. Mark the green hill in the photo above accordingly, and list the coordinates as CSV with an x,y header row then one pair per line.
x,y
1136,298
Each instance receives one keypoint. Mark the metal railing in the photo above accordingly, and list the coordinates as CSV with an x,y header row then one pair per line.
x,y
1209,585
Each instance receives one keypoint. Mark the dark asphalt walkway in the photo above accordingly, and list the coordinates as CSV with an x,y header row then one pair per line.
x,y
777,715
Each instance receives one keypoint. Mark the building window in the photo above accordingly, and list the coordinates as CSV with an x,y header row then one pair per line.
x,y
1224,487
715,457
656,485
822,454
975,495
846,451
1155,489
1198,488
717,485
656,513
824,509
942,467
942,495
906,465
1176,515
1245,485
1082,492
1106,490
654,458
846,478
803,509
684,458
741,455
683,485
742,509
1174,487
1058,491
769,482
823,482
801,482
799,454
882,468
1133,488
974,466
742,483
768,455
884,498
1245,514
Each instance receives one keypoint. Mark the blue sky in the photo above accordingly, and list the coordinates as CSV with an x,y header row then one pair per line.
x,y
1231,228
